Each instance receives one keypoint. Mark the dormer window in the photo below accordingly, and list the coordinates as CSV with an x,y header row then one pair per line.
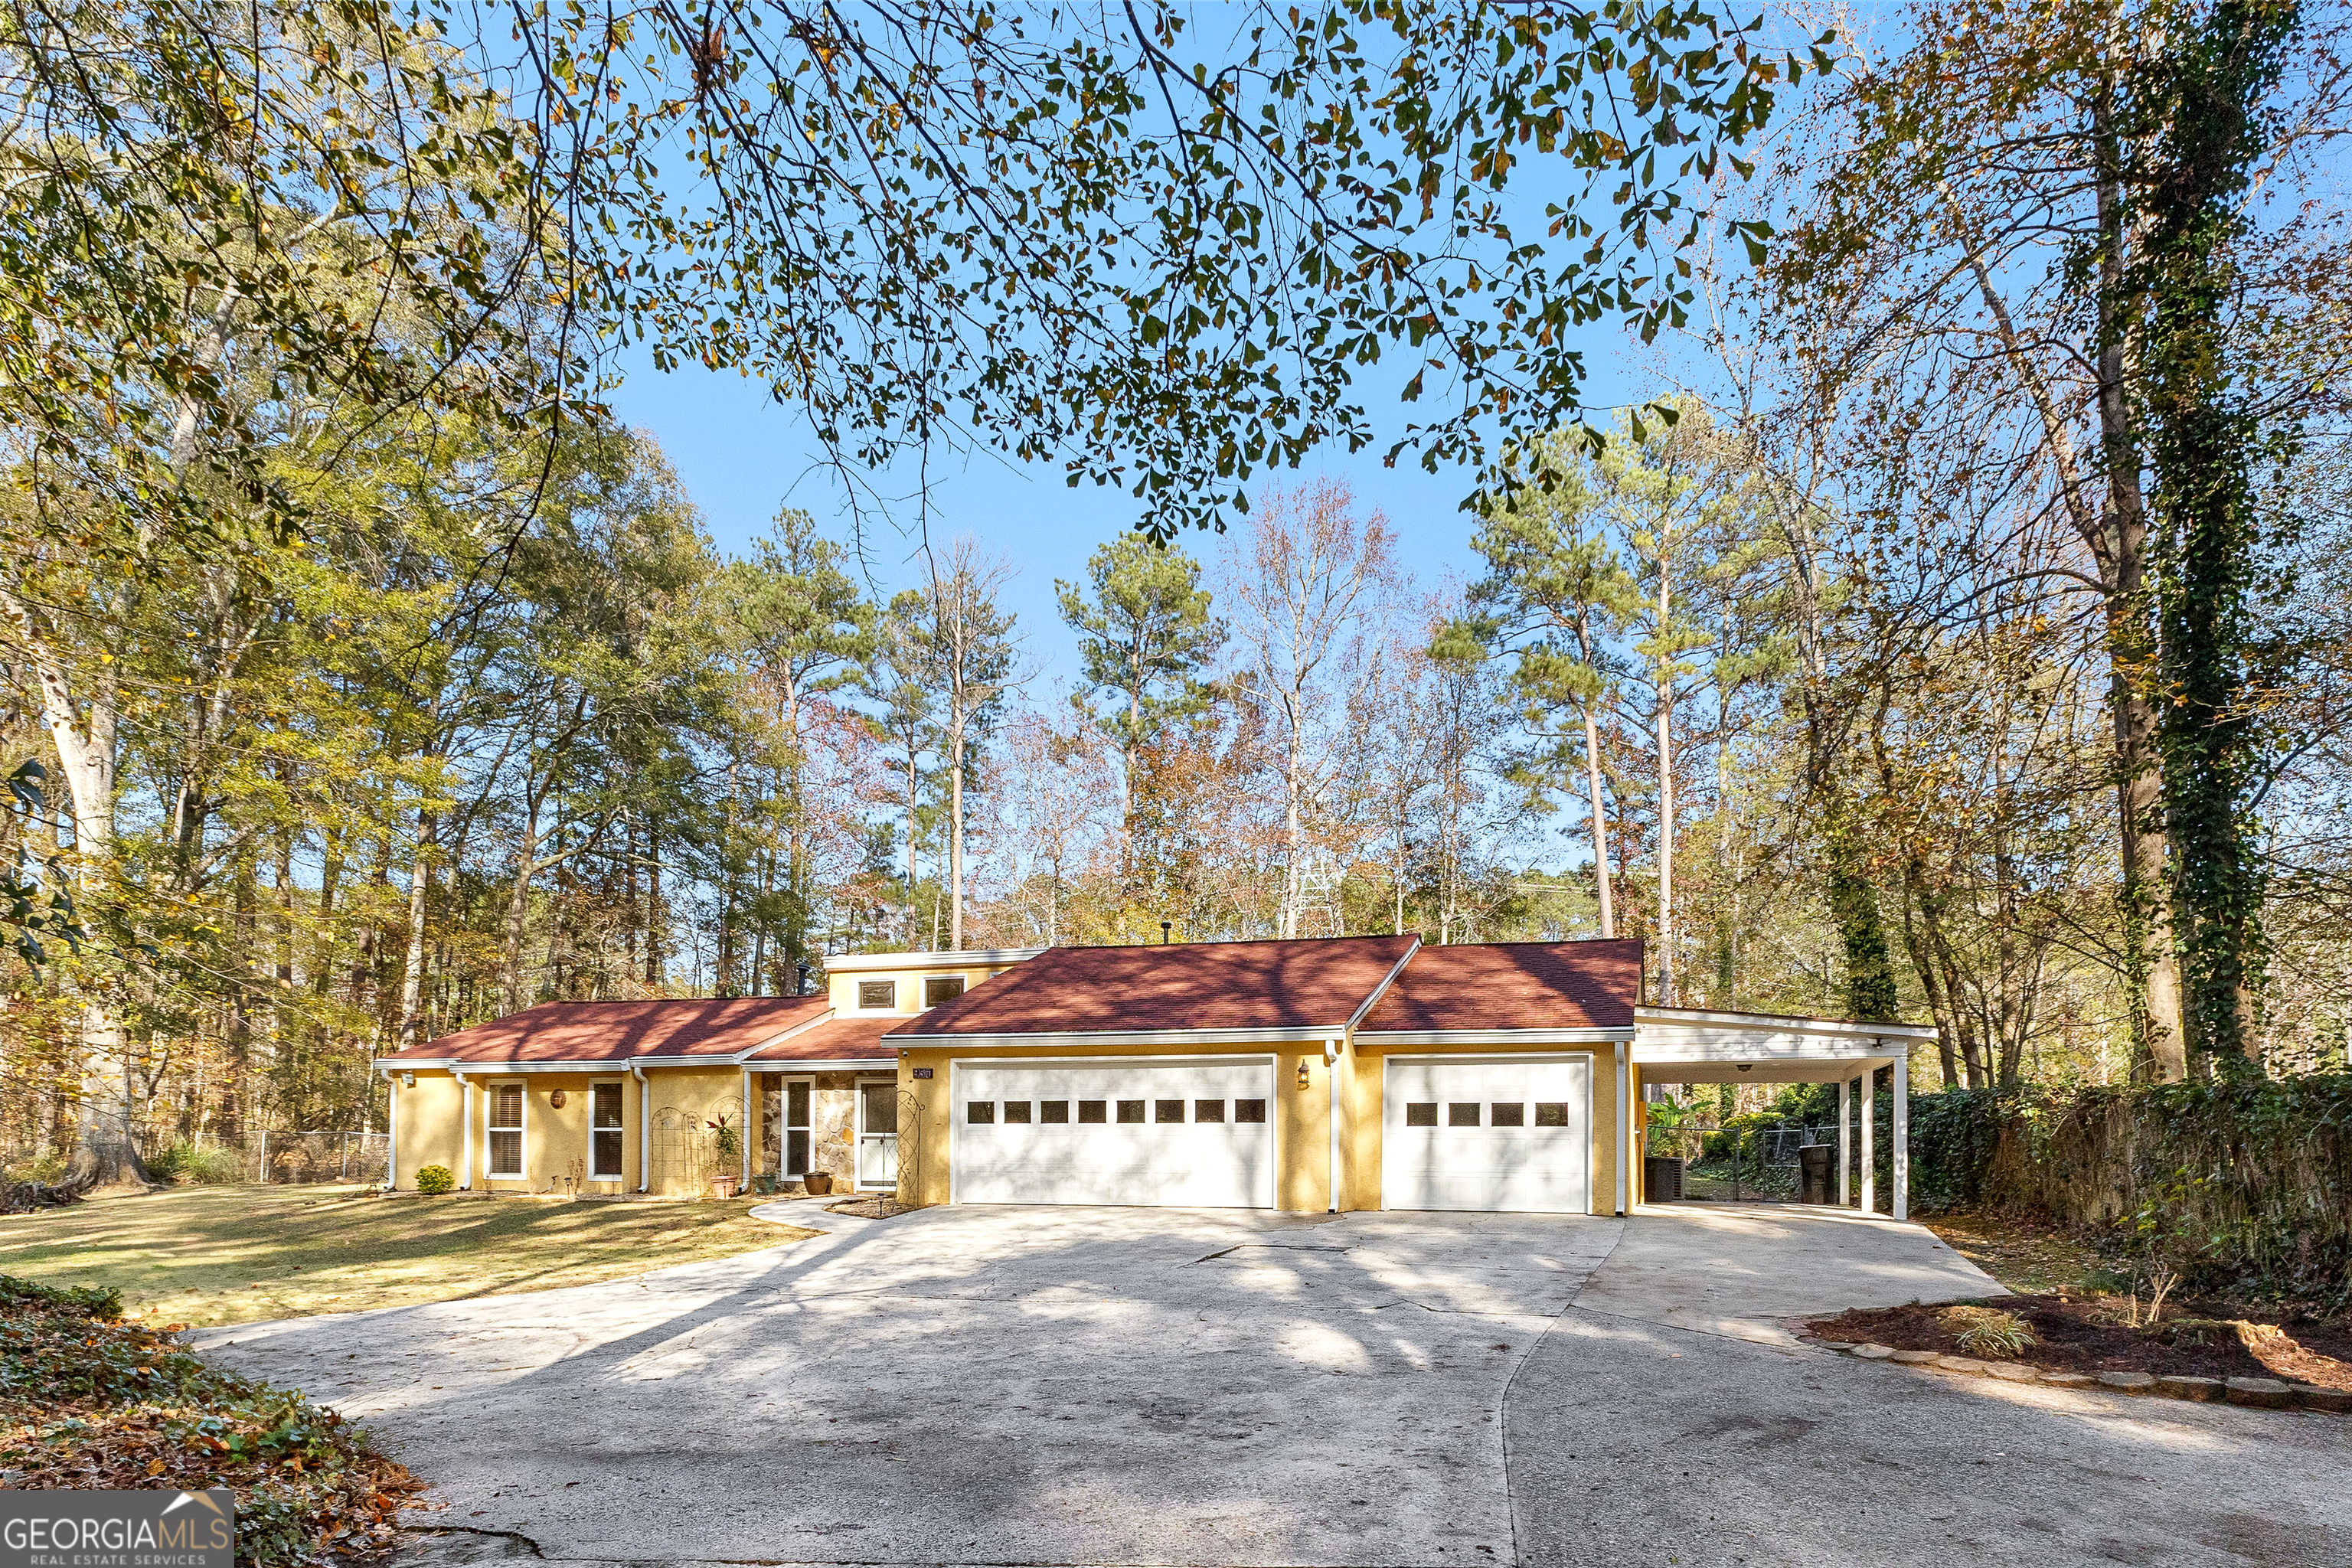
x,y
938,988
877,996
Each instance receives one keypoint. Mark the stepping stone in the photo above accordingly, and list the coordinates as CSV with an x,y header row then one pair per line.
x,y
2127,1381
1961,1363
1915,1358
2069,1379
2009,1372
1873,1353
2312,1397
2204,1390
2263,1393
1835,1344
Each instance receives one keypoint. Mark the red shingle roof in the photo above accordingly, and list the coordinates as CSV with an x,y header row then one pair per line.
x,y
1314,984
618,1031
839,1040
1515,985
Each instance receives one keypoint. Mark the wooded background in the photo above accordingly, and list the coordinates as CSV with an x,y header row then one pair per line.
x,y
1881,663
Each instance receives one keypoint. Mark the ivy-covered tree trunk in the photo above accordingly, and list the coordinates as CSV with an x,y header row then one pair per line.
x,y
2200,102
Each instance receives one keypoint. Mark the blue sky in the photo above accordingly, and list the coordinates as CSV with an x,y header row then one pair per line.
x,y
741,456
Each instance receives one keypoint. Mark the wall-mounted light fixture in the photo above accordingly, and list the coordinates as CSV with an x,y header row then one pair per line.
x,y
408,1081
1302,1072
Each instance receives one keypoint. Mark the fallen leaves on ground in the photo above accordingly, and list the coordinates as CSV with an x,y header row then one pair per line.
x,y
89,1401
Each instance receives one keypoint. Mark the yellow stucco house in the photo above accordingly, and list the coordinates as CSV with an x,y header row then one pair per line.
x,y
1341,1073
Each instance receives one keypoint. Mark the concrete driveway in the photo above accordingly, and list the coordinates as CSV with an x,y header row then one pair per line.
x,y
1042,1386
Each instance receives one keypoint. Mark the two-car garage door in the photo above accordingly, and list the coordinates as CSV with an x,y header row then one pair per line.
x,y
1511,1133
1194,1133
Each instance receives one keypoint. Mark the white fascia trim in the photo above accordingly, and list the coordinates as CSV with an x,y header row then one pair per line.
x,y
978,957
509,1068
1386,981
1260,1059
1775,1023
1504,1039
1080,1039
811,1063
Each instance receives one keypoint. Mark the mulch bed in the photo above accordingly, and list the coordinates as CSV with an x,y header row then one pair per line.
x,y
89,1400
2093,1334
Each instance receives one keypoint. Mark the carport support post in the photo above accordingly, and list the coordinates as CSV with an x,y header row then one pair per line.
x,y
1845,1142
1901,1152
1870,1140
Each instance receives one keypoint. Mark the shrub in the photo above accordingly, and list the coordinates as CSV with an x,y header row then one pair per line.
x,y
1989,1332
434,1179
187,1162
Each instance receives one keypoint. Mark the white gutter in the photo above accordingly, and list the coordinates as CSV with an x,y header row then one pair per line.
x,y
1308,1034
1331,1077
644,1126
1506,1039
465,1120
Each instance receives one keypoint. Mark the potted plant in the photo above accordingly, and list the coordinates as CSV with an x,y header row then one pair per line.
x,y
727,1144
819,1183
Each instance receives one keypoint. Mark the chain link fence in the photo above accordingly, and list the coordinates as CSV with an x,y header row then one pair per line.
x,y
328,1156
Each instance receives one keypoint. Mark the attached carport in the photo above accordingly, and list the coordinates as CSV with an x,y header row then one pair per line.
x,y
1689,1045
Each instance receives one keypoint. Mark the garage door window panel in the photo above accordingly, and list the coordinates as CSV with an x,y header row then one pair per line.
x,y
1016,1111
1508,1113
1208,1110
1462,1115
1092,1112
1420,1113
1250,1111
1054,1110
980,1112
1130,1111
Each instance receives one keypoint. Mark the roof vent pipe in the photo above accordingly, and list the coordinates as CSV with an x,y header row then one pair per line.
x,y
1165,927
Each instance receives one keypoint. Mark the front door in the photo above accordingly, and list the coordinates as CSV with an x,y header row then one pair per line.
x,y
878,1134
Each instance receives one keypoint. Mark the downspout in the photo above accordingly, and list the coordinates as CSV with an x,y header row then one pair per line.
x,y
1331,1083
1624,1129
391,1130
645,1125
746,1139
466,1134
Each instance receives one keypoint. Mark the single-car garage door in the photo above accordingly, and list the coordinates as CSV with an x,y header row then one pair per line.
x,y
1191,1132
1510,1133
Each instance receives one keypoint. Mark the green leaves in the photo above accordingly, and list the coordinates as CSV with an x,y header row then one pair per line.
x,y
1158,262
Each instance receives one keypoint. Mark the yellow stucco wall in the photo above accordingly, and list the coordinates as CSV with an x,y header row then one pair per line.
x,y
841,989
425,1126
555,1138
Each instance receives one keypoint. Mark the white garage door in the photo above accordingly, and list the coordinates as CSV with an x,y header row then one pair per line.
x,y
1189,1133
1494,1132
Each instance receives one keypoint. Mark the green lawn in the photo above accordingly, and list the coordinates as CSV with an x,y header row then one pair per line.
x,y
238,1255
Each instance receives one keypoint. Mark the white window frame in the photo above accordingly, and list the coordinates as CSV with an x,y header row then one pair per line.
x,y
620,1089
522,1129
893,1005
785,1128
961,983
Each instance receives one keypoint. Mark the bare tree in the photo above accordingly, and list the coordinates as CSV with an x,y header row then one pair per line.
x,y
1307,580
